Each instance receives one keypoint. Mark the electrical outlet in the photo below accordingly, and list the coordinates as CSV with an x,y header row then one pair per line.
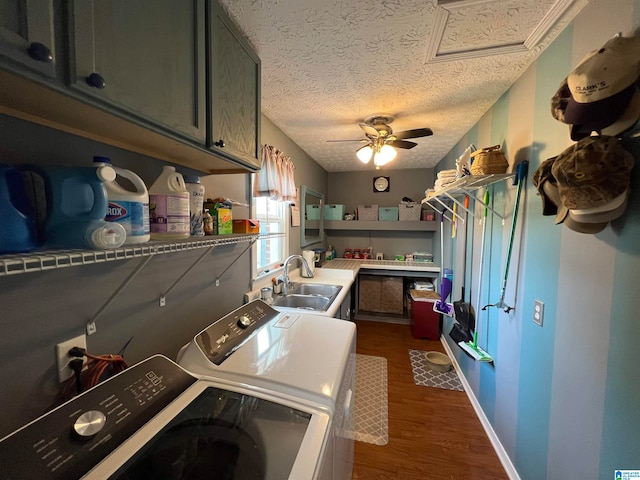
x,y
63,358
538,312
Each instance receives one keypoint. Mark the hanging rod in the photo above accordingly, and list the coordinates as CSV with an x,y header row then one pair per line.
x,y
460,204
448,208
477,199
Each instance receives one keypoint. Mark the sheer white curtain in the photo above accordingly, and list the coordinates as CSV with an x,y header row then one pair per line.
x,y
276,178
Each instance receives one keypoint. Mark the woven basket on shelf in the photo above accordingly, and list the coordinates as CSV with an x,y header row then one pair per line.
x,y
488,161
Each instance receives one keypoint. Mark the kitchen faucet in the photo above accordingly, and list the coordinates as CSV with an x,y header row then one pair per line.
x,y
304,264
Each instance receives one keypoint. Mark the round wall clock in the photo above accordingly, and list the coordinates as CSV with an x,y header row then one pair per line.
x,y
381,184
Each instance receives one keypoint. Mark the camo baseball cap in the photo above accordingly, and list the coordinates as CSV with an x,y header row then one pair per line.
x,y
541,176
559,101
566,217
592,172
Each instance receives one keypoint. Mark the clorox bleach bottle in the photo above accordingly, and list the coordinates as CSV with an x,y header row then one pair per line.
x,y
128,208
169,206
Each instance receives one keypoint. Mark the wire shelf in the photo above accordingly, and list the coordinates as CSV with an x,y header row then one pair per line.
x,y
465,186
39,261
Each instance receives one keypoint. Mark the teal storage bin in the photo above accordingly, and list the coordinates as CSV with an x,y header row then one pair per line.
x,y
388,213
333,212
313,212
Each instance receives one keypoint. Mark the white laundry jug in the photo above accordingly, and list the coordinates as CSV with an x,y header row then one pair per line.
x,y
128,208
169,206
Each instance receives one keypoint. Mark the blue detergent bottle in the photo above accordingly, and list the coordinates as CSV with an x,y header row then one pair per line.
x,y
76,206
18,233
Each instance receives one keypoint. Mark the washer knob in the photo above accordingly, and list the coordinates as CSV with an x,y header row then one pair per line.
x,y
244,321
90,423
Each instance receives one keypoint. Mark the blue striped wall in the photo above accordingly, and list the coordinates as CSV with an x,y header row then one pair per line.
x,y
561,398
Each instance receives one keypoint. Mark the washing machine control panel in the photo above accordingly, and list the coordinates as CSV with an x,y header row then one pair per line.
x,y
223,337
75,437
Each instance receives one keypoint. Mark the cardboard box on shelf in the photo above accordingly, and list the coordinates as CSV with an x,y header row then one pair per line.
x,y
246,225
225,220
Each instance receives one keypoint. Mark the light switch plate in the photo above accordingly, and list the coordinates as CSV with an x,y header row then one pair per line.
x,y
538,312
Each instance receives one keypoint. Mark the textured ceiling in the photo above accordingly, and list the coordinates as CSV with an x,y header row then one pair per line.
x,y
329,64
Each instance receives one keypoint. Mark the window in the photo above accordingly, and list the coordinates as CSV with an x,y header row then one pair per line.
x,y
269,252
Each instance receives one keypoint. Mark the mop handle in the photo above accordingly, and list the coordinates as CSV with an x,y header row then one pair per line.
x,y
521,174
484,231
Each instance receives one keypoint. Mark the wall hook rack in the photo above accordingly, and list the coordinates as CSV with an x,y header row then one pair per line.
x,y
468,185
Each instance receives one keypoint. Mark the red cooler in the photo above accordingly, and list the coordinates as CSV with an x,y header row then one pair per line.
x,y
425,323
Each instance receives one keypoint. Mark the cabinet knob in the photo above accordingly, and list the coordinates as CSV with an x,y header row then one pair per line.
x,y
219,143
40,52
96,80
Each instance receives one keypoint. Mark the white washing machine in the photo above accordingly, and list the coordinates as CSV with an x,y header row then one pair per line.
x,y
299,355
155,420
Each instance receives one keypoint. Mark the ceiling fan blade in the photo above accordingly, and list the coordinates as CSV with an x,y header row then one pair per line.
x,y
369,130
359,140
415,133
402,144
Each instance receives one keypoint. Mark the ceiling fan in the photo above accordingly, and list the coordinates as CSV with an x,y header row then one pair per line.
x,y
381,142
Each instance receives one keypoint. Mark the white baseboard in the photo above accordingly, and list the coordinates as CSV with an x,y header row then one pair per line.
x,y
488,428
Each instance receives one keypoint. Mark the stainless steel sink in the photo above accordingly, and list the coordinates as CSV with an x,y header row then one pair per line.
x,y
308,296
307,302
316,289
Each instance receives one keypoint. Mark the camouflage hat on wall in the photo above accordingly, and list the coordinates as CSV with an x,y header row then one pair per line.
x,y
540,177
592,172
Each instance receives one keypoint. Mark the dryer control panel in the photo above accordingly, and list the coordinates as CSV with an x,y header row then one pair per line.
x,y
75,437
222,338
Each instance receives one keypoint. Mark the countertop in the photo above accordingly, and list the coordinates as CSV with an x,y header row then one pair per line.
x,y
343,271
357,264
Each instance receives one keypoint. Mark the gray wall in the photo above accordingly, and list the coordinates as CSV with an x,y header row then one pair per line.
x,y
356,188
38,310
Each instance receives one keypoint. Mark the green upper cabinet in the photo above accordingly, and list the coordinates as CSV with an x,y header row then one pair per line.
x,y
233,108
145,58
27,36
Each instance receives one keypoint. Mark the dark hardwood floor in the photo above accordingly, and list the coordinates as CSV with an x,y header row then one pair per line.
x,y
433,433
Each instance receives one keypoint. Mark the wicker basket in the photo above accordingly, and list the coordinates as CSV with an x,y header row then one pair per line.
x,y
488,161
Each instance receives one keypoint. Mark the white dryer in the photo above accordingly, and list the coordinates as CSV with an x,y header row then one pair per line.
x,y
155,420
299,355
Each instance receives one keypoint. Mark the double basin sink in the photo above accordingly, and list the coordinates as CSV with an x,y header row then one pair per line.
x,y
308,296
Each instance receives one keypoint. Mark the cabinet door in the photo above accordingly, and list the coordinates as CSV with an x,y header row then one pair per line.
x,y
145,58
26,36
234,103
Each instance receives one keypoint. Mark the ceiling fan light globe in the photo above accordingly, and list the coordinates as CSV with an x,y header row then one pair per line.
x,y
386,154
364,154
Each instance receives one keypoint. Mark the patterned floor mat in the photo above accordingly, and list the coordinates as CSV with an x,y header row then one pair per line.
x,y
424,376
371,413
